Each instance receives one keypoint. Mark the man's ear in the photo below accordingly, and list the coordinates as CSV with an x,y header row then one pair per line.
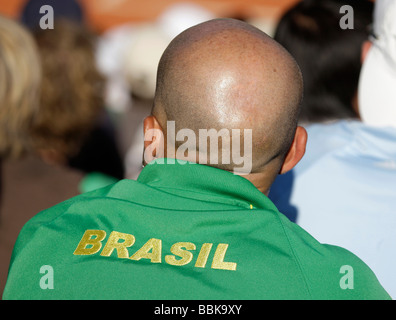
x,y
296,151
153,139
365,49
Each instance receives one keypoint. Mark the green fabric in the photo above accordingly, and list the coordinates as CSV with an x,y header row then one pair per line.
x,y
95,180
170,214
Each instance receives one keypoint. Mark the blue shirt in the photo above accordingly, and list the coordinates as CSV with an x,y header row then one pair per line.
x,y
343,192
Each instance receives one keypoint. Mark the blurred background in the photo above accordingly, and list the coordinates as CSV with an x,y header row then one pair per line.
x,y
103,15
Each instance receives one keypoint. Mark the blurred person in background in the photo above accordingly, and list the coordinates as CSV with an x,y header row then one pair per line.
x,y
20,74
71,77
72,127
329,56
28,184
349,168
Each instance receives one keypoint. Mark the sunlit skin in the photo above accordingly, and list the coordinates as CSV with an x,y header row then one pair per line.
x,y
227,74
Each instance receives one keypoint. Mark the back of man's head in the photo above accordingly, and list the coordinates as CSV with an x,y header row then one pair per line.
x,y
226,74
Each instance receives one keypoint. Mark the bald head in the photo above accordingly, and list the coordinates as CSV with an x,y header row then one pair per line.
x,y
225,73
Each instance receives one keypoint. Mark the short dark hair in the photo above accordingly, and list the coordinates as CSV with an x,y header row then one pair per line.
x,y
328,55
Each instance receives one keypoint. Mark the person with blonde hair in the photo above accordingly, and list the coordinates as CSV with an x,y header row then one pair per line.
x,y
20,79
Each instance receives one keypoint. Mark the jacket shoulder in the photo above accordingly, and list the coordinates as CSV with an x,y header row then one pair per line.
x,y
332,272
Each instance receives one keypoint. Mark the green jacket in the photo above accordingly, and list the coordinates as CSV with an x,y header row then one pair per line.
x,y
181,231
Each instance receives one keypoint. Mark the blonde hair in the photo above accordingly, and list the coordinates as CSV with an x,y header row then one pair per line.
x,y
72,89
20,78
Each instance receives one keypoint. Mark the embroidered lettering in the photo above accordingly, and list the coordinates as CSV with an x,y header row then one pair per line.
x,y
89,245
218,259
121,247
153,245
186,256
181,252
203,255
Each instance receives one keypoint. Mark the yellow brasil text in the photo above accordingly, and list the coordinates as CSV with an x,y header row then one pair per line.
x,y
91,243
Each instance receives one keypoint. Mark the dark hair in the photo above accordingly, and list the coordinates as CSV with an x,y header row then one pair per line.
x,y
328,55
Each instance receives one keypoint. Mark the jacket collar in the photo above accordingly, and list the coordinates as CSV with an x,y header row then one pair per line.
x,y
204,182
